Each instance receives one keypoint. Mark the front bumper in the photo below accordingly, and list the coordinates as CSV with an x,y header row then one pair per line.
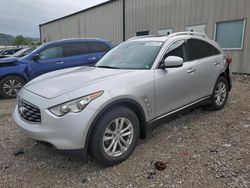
x,y
65,133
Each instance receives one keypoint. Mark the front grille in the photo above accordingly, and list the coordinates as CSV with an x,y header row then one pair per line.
x,y
28,111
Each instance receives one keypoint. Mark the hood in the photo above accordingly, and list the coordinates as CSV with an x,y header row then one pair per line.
x,y
60,82
8,60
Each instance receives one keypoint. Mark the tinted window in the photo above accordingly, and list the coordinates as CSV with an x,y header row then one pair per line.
x,y
51,53
177,49
15,50
8,52
198,49
96,47
213,50
74,49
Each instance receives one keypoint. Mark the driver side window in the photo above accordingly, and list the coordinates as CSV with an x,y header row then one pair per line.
x,y
51,53
178,49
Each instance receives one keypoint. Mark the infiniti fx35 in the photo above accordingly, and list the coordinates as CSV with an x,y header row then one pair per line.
x,y
102,111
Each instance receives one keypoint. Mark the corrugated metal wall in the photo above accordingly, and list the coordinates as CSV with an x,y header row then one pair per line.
x,y
152,15
106,21
102,22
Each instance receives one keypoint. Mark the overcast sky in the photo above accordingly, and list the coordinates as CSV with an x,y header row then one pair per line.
x,y
22,17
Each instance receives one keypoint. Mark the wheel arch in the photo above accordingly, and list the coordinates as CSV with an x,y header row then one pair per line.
x,y
129,103
226,74
14,74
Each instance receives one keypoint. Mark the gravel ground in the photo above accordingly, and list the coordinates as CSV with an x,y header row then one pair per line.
x,y
200,149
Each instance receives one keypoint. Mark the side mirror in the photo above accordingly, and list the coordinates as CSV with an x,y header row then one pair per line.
x,y
173,62
36,57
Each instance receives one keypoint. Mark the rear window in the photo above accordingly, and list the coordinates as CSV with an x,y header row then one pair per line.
x,y
75,49
213,50
96,47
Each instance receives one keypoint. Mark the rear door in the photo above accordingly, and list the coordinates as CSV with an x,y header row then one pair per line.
x,y
207,63
76,54
83,53
97,50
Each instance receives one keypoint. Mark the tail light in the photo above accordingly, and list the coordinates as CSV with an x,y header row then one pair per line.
x,y
229,59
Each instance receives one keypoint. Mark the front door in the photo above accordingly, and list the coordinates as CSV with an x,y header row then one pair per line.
x,y
174,87
50,59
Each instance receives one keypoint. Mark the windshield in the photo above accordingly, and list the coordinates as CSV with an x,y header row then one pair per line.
x,y
131,55
23,52
33,51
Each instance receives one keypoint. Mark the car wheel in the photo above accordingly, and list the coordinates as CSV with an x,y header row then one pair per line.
x,y
220,94
10,86
115,136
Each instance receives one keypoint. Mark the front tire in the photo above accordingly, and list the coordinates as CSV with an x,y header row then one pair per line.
x,y
115,136
220,94
10,86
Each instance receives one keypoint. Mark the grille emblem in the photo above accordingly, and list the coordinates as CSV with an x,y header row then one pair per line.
x,y
22,110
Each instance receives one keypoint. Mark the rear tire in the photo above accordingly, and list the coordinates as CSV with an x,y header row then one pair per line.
x,y
220,95
115,136
10,86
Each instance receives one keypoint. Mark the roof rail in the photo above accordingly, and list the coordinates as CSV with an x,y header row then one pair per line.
x,y
80,38
188,33
171,35
139,37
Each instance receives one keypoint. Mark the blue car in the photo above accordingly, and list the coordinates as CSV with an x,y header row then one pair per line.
x,y
15,72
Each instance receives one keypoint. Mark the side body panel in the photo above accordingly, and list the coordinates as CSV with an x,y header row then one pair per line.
x,y
18,69
207,72
174,88
43,66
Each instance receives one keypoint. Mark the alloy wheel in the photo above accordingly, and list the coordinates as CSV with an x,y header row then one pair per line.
x,y
12,87
220,93
118,137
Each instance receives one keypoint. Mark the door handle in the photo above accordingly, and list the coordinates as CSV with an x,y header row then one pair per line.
x,y
216,63
191,70
60,63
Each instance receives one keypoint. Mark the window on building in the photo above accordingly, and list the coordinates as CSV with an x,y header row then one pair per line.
x,y
230,34
74,49
198,49
51,53
96,47
142,33
197,28
165,31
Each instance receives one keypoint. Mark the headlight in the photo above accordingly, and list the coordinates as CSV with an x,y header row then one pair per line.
x,y
74,106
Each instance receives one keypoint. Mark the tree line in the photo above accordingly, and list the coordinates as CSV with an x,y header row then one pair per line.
x,y
26,41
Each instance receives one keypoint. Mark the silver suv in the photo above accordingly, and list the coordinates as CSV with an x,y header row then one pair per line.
x,y
103,110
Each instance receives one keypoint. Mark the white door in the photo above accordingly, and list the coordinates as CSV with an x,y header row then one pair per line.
x,y
197,28
165,32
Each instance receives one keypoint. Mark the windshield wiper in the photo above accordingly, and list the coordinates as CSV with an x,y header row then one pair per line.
x,y
108,67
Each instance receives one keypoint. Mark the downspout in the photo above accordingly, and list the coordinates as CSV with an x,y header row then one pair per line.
x,y
40,31
123,20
